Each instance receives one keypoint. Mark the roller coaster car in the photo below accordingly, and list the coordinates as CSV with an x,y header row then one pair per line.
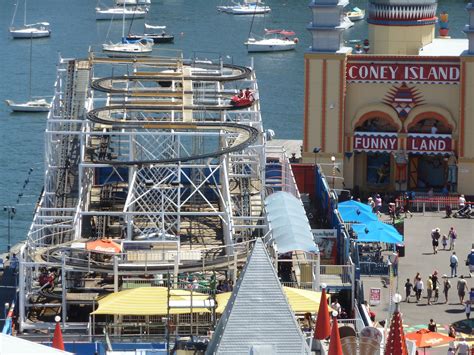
x,y
241,101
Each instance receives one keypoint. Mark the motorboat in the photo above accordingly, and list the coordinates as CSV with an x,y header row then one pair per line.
x,y
246,8
156,33
356,14
119,13
273,41
33,30
35,105
132,2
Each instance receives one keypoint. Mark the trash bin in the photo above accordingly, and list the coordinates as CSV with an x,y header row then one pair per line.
x,y
400,250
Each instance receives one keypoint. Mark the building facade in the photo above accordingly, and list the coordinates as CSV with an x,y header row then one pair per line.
x,y
397,116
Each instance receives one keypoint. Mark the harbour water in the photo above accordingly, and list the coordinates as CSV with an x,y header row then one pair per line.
x,y
200,32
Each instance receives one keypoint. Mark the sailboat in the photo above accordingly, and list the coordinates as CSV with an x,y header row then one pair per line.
x,y
132,2
128,47
157,33
32,105
272,40
117,13
248,7
33,30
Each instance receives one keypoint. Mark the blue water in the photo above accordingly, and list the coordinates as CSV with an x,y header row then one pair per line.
x,y
200,30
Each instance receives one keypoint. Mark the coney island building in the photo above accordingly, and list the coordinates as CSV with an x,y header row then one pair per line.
x,y
399,114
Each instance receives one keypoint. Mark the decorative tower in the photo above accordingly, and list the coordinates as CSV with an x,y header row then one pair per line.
x,y
328,25
401,27
469,29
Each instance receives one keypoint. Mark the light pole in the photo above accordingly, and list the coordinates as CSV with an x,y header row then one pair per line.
x,y
333,159
316,150
10,214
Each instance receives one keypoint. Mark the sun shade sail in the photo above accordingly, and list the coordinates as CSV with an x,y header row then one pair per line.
x,y
148,301
288,223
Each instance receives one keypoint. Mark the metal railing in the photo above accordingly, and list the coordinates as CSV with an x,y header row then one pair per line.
x,y
373,268
356,323
344,271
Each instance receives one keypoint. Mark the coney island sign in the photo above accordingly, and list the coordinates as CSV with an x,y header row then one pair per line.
x,y
397,72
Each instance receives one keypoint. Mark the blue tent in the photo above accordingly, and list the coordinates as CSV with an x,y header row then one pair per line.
x,y
356,214
354,204
377,232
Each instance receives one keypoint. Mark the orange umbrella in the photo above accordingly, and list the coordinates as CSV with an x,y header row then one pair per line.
x,y
322,328
58,338
335,347
425,339
104,246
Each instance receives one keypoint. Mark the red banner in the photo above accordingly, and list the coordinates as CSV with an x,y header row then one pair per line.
x,y
429,143
402,72
375,142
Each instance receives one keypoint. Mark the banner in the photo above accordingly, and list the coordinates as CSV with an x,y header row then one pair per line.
x,y
429,143
375,142
436,73
326,241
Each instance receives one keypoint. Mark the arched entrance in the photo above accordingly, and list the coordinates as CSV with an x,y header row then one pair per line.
x,y
375,138
430,152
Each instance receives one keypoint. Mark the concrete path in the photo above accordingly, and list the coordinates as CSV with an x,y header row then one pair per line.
x,y
419,257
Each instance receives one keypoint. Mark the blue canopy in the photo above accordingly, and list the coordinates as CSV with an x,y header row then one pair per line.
x,y
356,213
354,204
377,232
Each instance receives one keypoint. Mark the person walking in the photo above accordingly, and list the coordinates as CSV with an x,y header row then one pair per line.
x,y
446,287
429,289
435,235
378,204
470,262
467,309
462,348
435,280
419,288
408,288
462,288
453,263
452,235
444,240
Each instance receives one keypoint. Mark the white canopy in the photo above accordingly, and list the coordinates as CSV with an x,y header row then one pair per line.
x,y
288,222
15,345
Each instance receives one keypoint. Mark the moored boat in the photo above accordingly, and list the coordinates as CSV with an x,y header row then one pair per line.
x,y
246,8
273,41
129,48
119,13
157,37
37,105
356,14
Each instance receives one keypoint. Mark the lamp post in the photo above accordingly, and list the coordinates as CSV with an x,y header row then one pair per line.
x,y
10,214
333,159
316,150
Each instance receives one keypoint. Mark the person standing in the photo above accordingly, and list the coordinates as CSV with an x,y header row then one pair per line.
x,y
452,235
462,287
435,235
446,287
378,204
462,202
419,288
453,263
463,347
429,289
432,326
470,262
408,288
467,309
435,280
444,240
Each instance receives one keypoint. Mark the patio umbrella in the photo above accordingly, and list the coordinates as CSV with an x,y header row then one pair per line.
x,y
426,339
354,205
357,215
377,232
104,246
322,328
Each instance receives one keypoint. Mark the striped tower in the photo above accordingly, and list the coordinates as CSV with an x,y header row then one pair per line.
x,y
401,27
469,29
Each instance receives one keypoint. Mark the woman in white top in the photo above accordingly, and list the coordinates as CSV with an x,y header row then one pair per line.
x,y
419,288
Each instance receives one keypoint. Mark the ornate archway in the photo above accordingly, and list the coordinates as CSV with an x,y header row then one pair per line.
x,y
423,118
376,121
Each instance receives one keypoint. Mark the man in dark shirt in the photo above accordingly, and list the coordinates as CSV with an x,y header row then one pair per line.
x,y
408,288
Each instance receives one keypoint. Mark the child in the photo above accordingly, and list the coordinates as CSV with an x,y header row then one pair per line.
x,y
445,241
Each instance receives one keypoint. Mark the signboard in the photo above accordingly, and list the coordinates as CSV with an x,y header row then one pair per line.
x,y
429,143
390,72
326,241
375,296
375,142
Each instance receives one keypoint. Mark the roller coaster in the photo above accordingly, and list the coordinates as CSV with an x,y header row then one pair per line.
x,y
155,149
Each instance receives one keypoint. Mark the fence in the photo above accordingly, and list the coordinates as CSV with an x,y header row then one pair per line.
x,y
437,203
373,268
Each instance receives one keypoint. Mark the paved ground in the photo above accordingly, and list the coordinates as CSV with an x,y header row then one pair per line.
x,y
419,257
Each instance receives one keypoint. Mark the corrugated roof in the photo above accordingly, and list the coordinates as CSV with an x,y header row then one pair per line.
x,y
288,223
258,316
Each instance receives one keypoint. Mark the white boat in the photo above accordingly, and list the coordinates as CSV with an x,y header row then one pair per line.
x,y
33,30
128,47
132,2
38,105
119,13
356,14
273,41
246,8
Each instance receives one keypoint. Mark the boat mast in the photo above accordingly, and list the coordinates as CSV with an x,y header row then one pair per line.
x,y
24,15
14,14
31,67
123,23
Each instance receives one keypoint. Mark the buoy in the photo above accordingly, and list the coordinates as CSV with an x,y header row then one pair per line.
x,y
296,40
